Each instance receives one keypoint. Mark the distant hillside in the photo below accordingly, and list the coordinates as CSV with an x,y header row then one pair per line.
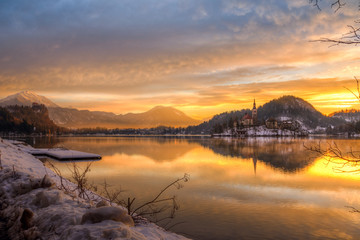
x,y
297,109
74,118
351,115
224,118
157,116
286,107
25,119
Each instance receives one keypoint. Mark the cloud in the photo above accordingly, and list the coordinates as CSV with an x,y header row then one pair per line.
x,y
169,52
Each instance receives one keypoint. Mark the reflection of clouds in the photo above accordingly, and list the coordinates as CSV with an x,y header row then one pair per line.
x,y
157,149
288,195
332,233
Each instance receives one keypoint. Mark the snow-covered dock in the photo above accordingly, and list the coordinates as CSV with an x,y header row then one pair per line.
x,y
63,154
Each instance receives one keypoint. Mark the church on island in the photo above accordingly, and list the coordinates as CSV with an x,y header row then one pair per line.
x,y
251,125
248,120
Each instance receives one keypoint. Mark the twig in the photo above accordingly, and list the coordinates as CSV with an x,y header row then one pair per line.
x,y
185,179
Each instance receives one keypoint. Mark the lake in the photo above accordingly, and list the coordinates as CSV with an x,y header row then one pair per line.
x,y
258,188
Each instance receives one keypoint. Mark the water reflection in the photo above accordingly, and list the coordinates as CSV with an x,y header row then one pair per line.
x,y
158,149
292,195
287,154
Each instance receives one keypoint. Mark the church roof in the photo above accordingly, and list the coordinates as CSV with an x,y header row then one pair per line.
x,y
247,116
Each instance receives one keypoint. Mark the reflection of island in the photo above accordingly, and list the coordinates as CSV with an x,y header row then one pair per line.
x,y
287,154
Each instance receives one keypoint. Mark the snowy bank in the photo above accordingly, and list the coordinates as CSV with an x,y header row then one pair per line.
x,y
34,207
261,131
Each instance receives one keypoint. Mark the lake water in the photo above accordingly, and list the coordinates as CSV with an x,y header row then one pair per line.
x,y
263,188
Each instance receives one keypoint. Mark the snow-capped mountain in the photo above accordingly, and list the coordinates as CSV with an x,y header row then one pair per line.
x,y
74,118
26,98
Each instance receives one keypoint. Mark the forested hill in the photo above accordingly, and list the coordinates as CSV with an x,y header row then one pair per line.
x,y
27,120
226,118
351,115
286,107
297,109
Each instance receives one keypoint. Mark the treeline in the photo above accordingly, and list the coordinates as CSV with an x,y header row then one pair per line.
x,y
27,120
161,130
218,123
350,128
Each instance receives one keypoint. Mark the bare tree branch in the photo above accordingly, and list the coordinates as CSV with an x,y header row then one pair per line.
x,y
350,38
338,4
176,183
333,154
335,4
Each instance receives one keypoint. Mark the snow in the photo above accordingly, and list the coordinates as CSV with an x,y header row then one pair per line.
x,y
284,118
26,98
262,131
62,154
34,207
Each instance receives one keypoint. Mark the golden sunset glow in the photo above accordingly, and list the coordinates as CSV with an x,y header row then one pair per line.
x,y
202,58
324,168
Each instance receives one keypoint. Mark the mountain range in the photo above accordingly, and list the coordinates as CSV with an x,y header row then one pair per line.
x,y
74,118
286,107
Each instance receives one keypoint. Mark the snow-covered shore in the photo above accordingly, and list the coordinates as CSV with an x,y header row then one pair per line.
x,y
261,131
34,207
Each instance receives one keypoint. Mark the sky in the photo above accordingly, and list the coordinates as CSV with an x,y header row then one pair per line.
x,y
202,57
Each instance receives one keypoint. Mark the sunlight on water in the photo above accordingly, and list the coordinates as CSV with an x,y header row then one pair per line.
x,y
239,189
324,167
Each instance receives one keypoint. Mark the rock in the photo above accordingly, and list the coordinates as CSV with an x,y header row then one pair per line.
x,y
102,203
26,219
47,182
41,200
44,199
100,214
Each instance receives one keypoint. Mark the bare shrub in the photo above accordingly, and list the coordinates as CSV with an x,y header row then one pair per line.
x,y
150,210
79,178
159,204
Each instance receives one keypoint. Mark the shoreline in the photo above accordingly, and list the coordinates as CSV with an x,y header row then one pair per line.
x,y
310,135
34,206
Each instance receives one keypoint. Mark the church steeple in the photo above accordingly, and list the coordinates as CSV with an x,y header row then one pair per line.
x,y
254,162
254,114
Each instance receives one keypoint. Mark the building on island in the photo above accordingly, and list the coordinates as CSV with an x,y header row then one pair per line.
x,y
271,123
248,120
254,113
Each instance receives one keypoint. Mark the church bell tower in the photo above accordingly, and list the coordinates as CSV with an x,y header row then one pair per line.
x,y
254,113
